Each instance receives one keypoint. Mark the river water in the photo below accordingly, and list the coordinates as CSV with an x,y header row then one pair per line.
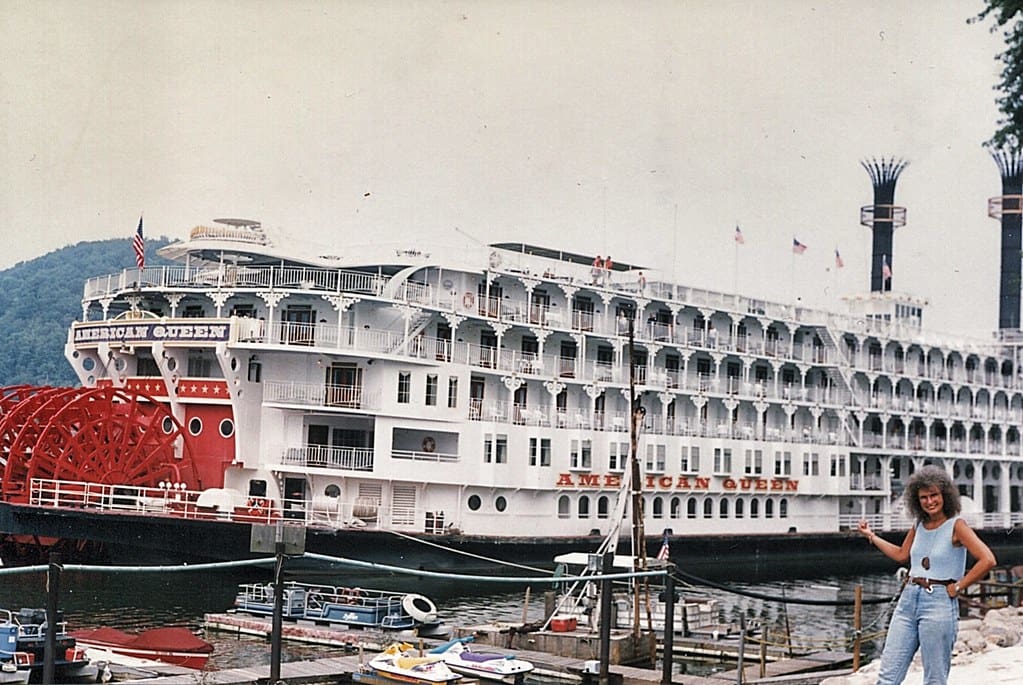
x,y
134,601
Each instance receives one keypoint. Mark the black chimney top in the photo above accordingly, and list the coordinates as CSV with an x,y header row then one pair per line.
x,y
882,217
1007,208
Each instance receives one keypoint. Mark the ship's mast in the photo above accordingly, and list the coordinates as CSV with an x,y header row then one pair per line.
x,y
638,537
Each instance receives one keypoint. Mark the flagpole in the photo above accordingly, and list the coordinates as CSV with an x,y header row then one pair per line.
x,y
735,266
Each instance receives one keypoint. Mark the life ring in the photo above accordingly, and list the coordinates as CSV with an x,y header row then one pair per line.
x,y
351,595
419,608
258,506
495,260
429,444
468,300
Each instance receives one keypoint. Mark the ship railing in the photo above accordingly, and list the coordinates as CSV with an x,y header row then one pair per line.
x,y
320,395
327,456
420,455
230,275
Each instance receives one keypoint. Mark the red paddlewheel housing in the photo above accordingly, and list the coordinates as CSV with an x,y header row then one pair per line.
x,y
99,435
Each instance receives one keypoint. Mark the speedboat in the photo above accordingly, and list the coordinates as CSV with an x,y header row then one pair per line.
x,y
397,663
487,665
173,645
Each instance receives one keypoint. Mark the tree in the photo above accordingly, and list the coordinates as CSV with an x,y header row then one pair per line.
x,y
1008,17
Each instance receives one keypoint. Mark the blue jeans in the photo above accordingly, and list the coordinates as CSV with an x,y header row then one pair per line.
x,y
925,620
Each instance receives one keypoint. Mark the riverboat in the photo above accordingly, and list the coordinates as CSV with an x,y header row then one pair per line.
x,y
485,398
350,606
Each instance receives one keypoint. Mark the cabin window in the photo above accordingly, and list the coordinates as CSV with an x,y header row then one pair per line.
x,y
618,454
404,387
500,503
739,507
226,428
602,507
563,507
769,508
783,508
584,507
708,508
539,452
691,508
655,456
658,508
474,502
255,370
690,462
723,508
193,311
581,454
676,508
195,425
754,508
453,392
257,488
431,390
332,491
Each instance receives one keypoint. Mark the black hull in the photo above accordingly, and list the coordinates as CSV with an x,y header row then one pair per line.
x,y
125,538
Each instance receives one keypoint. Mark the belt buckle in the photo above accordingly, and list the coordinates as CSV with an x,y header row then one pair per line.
x,y
929,588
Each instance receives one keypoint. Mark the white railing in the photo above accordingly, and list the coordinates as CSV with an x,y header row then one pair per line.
x,y
326,456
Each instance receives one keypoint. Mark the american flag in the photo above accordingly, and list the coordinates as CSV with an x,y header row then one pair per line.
x,y
139,245
738,236
798,247
838,260
886,271
663,554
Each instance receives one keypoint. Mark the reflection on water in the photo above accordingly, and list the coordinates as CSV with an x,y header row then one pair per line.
x,y
136,601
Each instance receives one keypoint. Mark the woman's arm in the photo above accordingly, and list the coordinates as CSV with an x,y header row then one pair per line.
x,y
963,535
897,553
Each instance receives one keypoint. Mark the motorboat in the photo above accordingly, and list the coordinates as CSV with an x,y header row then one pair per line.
x,y
30,629
505,668
172,645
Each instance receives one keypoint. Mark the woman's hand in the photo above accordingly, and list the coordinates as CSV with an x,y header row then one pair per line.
x,y
864,529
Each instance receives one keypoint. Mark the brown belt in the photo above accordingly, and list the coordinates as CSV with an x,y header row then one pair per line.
x,y
926,583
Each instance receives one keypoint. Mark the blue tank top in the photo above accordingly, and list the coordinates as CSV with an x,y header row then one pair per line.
x,y
946,562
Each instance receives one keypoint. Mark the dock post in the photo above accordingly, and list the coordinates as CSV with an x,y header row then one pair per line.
x,y
606,567
857,627
668,655
742,650
52,599
277,626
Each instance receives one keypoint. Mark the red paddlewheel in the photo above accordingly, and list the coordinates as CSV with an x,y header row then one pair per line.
x,y
18,406
100,435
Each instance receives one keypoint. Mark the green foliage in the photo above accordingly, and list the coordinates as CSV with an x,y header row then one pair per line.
x,y
40,298
1008,18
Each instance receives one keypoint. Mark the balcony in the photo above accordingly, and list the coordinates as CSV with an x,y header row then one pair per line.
x,y
325,456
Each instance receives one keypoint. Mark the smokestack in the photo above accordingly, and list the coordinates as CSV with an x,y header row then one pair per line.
x,y
1007,208
882,218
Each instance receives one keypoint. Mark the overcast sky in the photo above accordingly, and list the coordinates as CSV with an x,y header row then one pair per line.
x,y
647,130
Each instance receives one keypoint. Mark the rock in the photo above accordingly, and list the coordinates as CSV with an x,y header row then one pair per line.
x,y
1004,635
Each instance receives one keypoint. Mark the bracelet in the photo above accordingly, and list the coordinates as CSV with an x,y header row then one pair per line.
x,y
873,538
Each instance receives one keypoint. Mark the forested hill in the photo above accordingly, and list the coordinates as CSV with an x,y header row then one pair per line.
x,y
40,298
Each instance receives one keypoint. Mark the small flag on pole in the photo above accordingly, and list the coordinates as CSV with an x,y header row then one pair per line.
x,y
663,554
798,247
738,236
838,260
886,271
139,245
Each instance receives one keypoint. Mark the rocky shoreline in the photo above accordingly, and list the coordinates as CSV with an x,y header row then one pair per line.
x,y
987,650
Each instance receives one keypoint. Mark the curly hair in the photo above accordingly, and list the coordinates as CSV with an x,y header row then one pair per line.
x,y
931,476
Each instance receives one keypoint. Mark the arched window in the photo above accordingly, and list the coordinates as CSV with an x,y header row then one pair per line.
x,y
754,508
602,507
658,508
563,507
691,508
708,508
676,507
723,508
584,507
768,508
739,508
783,508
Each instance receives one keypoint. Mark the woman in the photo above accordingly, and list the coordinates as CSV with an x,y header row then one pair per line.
x,y
927,616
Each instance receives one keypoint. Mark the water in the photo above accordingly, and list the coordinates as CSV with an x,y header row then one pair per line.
x,y
137,601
